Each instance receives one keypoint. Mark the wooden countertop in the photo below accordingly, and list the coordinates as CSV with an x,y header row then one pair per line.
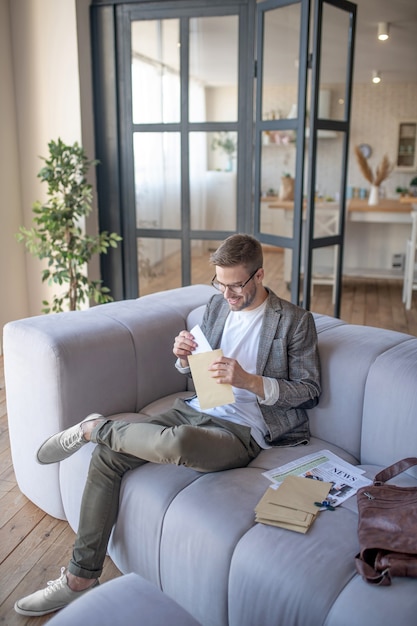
x,y
386,205
274,203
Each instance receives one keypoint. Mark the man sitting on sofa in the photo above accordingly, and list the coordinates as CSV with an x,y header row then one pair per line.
x,y
270,359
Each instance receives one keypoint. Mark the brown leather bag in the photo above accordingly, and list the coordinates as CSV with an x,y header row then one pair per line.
x,y
387,527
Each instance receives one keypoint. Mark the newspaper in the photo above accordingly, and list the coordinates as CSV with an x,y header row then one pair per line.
x,y
328,467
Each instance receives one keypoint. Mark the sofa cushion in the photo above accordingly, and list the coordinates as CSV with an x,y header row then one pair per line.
x,y
347,354
389,431
129,600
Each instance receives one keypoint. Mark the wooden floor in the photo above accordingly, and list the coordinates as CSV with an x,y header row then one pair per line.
x,y
373,302
33,545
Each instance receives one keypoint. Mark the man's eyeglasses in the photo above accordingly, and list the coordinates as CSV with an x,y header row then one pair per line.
x,y
234,288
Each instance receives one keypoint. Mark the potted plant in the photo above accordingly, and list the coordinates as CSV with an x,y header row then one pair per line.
x,y
226,142
58,235
402,191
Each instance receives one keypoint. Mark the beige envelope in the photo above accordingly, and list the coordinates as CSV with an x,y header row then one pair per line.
x,y
292,505
294,527
209,392
300,493
284,514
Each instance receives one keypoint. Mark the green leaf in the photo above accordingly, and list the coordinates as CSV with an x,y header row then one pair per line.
x,y
58,233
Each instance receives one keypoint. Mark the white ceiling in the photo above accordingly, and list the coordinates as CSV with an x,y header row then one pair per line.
x,y
395,59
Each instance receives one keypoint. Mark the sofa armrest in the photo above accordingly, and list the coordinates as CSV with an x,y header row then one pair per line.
x,y
113,358
58,369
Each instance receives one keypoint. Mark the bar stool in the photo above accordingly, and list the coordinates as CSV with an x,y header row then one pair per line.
x,y
410,269
326,224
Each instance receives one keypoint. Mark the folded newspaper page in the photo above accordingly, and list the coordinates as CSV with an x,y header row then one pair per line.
x,y
325,466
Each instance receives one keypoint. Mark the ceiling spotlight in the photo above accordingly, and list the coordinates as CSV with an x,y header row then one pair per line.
x,y
376,77
383,31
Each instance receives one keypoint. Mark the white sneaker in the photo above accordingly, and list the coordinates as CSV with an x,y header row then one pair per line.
x,y
64,444
55,596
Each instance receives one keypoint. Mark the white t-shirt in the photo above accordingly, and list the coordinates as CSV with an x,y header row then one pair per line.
x,y
240,341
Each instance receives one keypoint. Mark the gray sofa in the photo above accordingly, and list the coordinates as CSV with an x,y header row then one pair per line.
x,y
194,535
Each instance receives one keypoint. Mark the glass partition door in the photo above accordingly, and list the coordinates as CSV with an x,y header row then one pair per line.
x,y
282,63
184,125
189,156
304,79
329,120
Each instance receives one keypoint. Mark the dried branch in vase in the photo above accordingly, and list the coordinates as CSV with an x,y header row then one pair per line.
x,y
364,166
382,171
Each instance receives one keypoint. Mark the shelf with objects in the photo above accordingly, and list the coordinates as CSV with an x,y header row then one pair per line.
x,y
406,158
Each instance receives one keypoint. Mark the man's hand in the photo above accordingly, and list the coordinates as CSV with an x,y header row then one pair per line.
x,y
229,371
184,345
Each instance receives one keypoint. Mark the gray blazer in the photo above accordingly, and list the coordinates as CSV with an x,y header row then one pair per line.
x,y
288,352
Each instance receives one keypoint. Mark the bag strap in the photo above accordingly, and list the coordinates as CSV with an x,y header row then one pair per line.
x,y
394,470
369,574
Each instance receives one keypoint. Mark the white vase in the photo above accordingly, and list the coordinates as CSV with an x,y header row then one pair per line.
x,y
373,195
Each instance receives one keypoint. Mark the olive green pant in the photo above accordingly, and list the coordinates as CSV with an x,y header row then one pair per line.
x,y
181,436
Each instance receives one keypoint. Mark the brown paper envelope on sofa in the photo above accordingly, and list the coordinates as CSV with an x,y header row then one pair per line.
x,y
209,392
292,505
294,527
300,493
279,513
269,512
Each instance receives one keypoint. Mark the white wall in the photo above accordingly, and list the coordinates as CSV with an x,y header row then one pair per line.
x,y
40,100
13,292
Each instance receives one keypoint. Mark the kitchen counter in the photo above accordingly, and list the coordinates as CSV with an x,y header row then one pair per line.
x,y
375,236
386,205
